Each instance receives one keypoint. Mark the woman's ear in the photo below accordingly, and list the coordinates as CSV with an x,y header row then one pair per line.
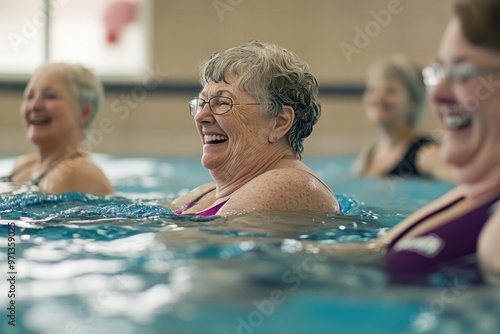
x,y
282,124
86,116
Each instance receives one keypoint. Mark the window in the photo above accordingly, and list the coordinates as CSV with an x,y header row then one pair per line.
x,y
109,36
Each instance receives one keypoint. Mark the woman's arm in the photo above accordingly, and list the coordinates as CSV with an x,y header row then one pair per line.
x,y
488,251
359,165
23,160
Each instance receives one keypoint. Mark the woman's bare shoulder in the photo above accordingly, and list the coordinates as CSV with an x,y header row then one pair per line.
x,y
361,161
24,160
79,174
283,189
190,196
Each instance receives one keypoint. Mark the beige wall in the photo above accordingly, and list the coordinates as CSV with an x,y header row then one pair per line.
x,y
187,31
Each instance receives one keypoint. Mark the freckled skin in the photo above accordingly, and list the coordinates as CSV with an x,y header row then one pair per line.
x,y
285,189
290,188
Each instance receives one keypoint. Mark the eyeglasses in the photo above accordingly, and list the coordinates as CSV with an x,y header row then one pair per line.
x,y
218,105
455,74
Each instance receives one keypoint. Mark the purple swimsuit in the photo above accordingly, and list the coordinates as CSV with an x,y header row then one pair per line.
x,y
446,243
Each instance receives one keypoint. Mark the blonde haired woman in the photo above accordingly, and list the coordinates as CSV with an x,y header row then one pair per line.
x,y
59,104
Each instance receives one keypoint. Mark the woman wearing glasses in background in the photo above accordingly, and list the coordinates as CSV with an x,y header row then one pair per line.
x,y
258,103
464,86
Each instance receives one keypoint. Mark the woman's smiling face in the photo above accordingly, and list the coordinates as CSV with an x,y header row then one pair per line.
x,y
468,111
234,140
386,101
49,109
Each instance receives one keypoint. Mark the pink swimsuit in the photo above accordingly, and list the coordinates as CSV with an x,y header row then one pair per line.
x,y
206,213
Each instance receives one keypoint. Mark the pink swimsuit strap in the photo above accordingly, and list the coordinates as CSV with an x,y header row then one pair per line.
x,y
205,213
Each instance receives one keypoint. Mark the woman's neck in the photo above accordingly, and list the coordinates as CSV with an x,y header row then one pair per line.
x,y
231,178
485,186
50,154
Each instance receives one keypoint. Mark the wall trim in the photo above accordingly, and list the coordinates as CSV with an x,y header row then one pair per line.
x,y
332,89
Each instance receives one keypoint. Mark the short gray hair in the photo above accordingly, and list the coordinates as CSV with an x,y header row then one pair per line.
x,y
276,77
400,68
87,88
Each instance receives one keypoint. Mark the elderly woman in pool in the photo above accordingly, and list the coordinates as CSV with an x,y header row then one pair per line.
x,y
463,86
60,102
394,101
258,103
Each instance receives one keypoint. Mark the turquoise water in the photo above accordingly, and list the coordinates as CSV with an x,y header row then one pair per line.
x,y
126,264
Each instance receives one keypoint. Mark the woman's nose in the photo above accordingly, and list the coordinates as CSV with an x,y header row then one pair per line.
x,y
375,96
204,115
442,91
36,102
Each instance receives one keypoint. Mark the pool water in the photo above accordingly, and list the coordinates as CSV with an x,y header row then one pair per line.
x,y
126,264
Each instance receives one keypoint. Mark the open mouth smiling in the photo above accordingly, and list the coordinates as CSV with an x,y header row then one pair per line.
x,y
39,120
455,122
214,139
456,117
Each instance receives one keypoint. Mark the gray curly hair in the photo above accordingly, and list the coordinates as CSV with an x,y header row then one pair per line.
x,y
274,76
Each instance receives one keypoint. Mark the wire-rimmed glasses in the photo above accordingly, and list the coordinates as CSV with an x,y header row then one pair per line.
x,y
456,74
218,105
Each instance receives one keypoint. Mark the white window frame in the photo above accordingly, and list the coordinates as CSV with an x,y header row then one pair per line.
x,y
31,30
